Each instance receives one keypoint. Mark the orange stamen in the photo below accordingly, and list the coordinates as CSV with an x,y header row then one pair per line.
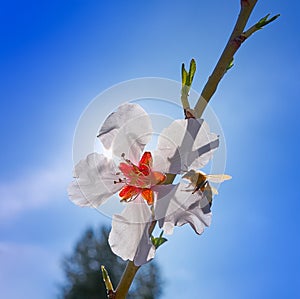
x,y
128,192
148,196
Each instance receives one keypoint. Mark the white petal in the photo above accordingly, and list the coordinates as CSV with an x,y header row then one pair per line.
x,y
127,131
94,181
129,236
183,144
176,207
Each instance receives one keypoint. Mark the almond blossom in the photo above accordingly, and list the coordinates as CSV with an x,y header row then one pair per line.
x,y
138,178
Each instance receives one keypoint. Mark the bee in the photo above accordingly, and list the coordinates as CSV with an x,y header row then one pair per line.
x,y
200,182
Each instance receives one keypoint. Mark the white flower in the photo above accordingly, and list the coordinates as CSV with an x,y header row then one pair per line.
x,y
185,144
138,177
175,209
179,206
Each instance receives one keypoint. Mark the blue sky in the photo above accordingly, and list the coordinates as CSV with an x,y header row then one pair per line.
x,y
56,56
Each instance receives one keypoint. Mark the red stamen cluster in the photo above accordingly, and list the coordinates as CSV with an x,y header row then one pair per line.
x,y
139,179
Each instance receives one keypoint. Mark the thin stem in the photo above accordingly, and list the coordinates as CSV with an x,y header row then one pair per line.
x,y
170,178
126,280
152,226
129,273
184,100
231,47
237,37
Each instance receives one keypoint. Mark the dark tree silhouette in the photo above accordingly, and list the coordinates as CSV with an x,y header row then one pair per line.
x,y
83,274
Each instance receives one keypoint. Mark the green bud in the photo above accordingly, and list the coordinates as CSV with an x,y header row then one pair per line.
x,y
264,21
192,71
230,65
106,279
184,75
158,241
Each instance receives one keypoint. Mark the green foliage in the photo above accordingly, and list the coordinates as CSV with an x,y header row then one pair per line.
x,y
230,65
184,75
83,270
187,77
264,21
158,241
192,72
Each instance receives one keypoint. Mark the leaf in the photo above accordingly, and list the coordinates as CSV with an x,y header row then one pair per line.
x,y
187,77
230,65
264,21
158,241
192,71
184,75
272,19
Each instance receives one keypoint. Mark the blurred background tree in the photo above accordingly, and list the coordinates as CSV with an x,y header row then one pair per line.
x,y
83,278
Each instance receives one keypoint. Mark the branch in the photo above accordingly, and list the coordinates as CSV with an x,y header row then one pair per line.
x,y
238,36
126,280
186,83
232,46
129,273
259,25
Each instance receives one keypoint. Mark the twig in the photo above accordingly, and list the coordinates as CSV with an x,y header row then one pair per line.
x,y
232,46
259,25
186,81
131,269
129,273
126,280
237,37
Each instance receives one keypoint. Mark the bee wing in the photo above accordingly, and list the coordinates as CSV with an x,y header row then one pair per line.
x,y
218,178
214,190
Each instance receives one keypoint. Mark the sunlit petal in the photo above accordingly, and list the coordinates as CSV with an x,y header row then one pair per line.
x,y
129,236
175,207
94,181
127,131
185,143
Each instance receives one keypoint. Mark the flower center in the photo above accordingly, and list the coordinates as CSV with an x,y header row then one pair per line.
x,y
139,179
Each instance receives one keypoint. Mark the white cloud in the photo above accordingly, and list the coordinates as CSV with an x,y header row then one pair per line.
x,y
33,190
